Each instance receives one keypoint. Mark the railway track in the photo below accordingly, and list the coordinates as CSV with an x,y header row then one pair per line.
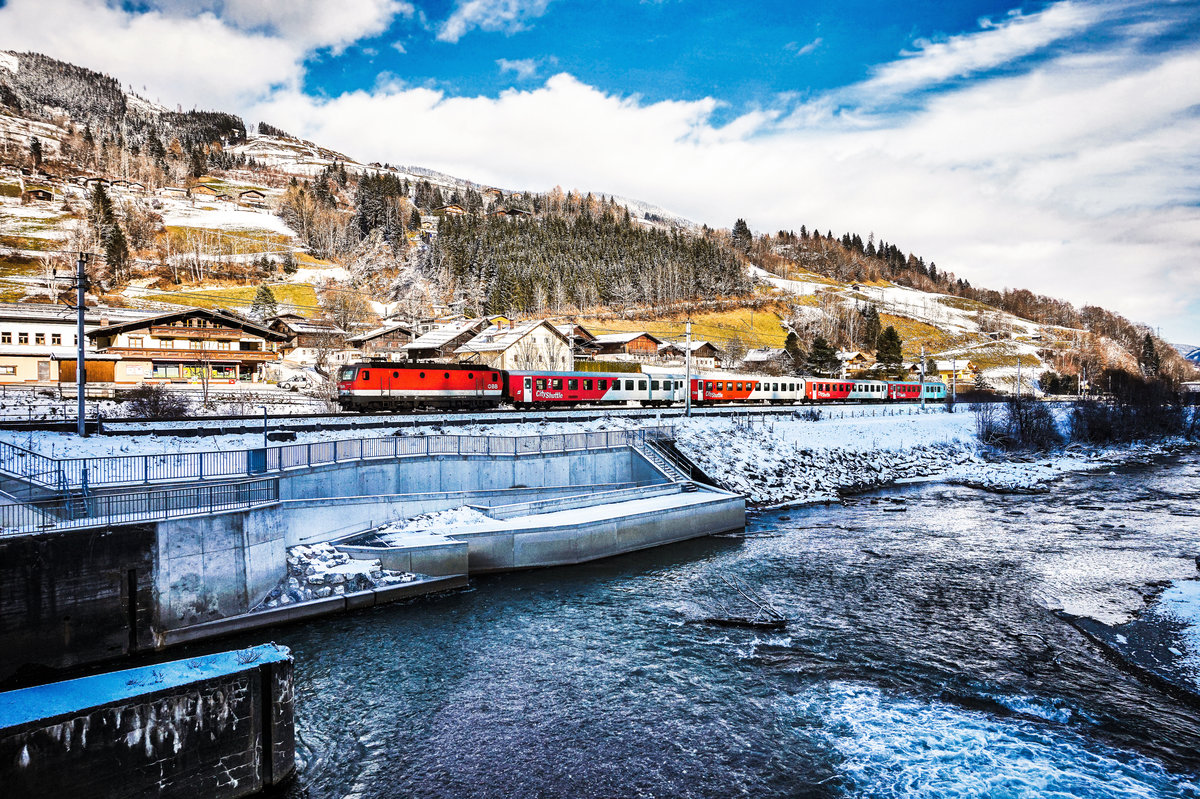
x,y
282,423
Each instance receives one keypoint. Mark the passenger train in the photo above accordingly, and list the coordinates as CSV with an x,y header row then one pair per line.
x,y
383,386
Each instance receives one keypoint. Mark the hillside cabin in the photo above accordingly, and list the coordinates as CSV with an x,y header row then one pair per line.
x,y
37,195
204,190
450,210
855,361
386,342
638,346
174,191
536,344
189,345
492,193
252,197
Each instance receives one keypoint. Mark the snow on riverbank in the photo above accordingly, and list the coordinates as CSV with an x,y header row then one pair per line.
x,y
317,571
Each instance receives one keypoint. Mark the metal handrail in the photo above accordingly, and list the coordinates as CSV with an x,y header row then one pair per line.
x,y
77,510
73,473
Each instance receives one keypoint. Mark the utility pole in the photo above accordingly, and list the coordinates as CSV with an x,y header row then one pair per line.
x,y
953,381
687,384
80,367
922,377
1018,378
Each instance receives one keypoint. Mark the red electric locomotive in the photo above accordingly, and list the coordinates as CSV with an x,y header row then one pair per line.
x,y
396,386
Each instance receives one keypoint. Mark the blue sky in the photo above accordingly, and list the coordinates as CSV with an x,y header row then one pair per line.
x,y
1049,145
670,50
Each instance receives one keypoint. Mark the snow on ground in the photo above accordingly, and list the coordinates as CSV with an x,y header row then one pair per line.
x,y
431,528
9,61
234,219
1181,602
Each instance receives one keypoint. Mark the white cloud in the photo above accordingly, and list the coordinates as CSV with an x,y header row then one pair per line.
x,y
309,24
524,68
804,49
506,16
995,45
194,61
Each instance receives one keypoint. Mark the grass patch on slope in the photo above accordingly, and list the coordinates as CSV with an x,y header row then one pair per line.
x,y
298,298
756,328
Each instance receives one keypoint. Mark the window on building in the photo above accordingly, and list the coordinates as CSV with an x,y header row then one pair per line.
x,y
8,370
39,338
135,341
56,339
5,338
22,338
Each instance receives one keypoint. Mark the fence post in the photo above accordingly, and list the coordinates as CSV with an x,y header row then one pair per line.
x,y
201,464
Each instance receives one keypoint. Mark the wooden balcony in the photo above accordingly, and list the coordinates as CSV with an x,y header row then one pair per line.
x,y
169,331
191,356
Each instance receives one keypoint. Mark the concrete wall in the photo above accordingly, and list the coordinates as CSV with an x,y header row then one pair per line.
x,y
65,597
583,541
210,567
218,727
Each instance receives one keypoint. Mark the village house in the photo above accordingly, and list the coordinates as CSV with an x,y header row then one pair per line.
x,y
306,338
450,210
583,343
441,342
772,360
174,191
386,342
186,345
959,372
704,353
492,193
535,344
36,338
638,346
204,190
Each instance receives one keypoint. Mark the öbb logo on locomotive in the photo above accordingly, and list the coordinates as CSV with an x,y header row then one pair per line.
x,y
407,386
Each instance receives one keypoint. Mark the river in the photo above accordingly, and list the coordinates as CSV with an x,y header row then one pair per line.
x,y
922,659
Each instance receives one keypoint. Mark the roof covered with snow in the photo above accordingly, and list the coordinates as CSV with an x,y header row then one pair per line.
x,y
498,338
441,336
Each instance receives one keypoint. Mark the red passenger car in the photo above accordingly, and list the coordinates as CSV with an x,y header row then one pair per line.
x,y
827,388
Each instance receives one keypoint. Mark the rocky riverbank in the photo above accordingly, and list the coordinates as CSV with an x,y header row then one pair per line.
x,y
801,461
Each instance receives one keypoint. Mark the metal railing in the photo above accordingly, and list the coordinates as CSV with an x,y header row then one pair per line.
x,y
75,511
68,474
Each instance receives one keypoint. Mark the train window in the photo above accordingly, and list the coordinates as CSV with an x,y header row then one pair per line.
x,y
587,385
654,385
395,374
641,385
446,375
573,384
629,385
708,386
556,383
540,383
678,384
470,375
603,385
739,386
366,374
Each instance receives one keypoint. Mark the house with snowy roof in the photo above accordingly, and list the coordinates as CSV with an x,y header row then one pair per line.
x,y
535,344
636,346
441,342
385,342
704,353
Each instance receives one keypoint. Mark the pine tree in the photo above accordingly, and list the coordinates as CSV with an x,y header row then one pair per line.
x,y
822,358
795,352
265,305
1149,361
888,350
871,327
742,237
35,151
